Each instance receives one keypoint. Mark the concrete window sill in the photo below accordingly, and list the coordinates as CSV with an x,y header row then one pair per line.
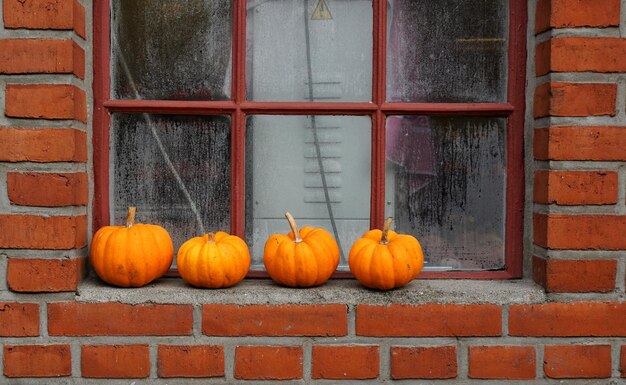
x,y
345,291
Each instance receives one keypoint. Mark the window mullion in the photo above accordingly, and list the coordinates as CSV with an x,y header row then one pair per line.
x,y
379,51
237,189
449,109
238,121
239,51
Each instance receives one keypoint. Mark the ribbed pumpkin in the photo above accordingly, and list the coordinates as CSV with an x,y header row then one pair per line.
x,y
302,258
213,260
132,255
384,259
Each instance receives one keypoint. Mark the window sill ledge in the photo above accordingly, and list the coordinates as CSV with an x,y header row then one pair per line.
x,y
345,291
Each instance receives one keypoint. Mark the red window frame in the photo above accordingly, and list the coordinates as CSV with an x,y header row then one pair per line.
x,y
378,109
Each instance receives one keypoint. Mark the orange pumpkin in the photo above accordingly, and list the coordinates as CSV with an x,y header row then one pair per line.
x,y
213,260
302,258
384,259
132,255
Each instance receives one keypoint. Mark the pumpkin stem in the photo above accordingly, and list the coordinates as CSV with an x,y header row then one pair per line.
x,y
130,218
294,227
210,237
386,226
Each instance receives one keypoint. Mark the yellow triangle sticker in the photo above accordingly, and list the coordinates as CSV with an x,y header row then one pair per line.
x,y
321,11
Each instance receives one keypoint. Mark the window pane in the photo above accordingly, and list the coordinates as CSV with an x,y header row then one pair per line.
x,y
171,49
449,177
175,169
447,51
336,63
317,168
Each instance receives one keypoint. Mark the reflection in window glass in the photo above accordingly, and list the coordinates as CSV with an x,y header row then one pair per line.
x,y
171,49
449,188
316,167
322,55
447,51
175,169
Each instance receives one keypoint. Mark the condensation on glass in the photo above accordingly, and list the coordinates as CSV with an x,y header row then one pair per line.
x,y
174,169
449,181
171,49
309,50
318,168
447,51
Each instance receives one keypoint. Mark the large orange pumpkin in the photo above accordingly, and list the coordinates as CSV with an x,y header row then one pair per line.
x,y
384,259
302,258
132,255
213,260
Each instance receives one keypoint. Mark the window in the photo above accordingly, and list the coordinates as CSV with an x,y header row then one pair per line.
x,y
216,115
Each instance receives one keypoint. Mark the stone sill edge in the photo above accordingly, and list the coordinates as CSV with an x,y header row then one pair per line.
x,y
343,291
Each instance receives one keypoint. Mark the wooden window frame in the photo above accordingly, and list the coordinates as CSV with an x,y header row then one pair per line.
x,y
378,109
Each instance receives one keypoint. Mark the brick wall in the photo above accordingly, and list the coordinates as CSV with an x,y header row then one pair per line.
x,y
50,333
579,215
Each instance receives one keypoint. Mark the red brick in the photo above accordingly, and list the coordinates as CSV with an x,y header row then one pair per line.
x,y
275,320
116,319
581,232
502,362
577,361
576,276
115,361
78,60
540,229
25,56
574,319
542,100
622,365
575,187
42,145
540,270
190,361
345,362
542,58
582,54
44,14
62,189
580,143
36,232
37,361
19,319
46,101
437,362
78,22
543,12
436,320
576,13
268,362
45,275
575,99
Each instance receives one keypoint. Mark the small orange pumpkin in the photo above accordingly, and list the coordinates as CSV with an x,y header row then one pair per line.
x,y
384,259
214,260
302,258
132,255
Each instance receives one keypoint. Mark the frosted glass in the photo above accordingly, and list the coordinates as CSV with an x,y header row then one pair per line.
x,y
287,156
171,49
447,51
449,188
175,169
322,55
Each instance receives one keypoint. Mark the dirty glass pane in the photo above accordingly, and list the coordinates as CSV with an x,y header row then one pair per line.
x,y
447,51
175,169
316,167
171,49
448,191
322,55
